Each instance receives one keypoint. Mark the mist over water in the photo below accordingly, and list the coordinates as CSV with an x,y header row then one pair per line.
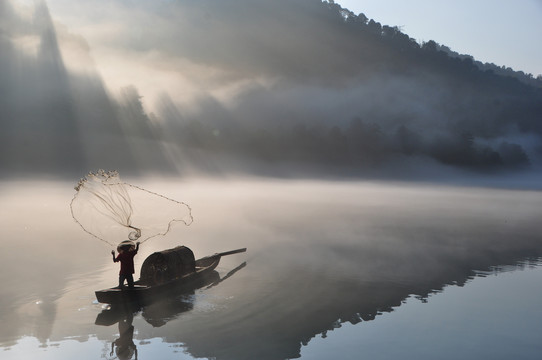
x,y
319,254
389,170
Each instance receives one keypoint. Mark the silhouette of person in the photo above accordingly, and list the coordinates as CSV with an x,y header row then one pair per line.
x,y
127,251
125,347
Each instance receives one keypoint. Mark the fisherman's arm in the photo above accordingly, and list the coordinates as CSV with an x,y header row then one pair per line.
x,y
113,253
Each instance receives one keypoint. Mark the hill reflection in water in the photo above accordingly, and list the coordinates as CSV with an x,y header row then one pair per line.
x,y
494,317
320,254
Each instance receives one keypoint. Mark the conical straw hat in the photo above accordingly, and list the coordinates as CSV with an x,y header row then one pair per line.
x,y
126,244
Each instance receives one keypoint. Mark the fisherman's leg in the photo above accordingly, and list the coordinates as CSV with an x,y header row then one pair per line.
x,y
121,280
130,279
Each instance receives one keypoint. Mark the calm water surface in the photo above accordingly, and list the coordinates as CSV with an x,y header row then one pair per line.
x,y
334,269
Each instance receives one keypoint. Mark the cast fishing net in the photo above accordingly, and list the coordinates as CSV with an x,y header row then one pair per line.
x,y
112,210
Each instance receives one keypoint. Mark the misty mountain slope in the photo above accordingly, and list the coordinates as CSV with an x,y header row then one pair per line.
x,y
56,121
266,83
411,99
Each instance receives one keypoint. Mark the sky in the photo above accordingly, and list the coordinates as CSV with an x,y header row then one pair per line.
x,y
500,32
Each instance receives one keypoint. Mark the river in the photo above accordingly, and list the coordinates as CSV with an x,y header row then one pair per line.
x,y
345,269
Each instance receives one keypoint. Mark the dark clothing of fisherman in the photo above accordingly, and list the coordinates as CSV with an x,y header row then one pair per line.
x,y
127,251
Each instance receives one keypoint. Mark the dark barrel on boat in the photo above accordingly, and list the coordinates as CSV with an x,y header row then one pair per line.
x,y
167,265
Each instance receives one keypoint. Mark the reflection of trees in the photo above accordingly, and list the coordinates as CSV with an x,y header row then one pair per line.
x,y
308,303
339,263
319,277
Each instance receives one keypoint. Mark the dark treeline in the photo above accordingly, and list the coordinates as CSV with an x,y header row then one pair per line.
x,y
343,90
433,53
359,145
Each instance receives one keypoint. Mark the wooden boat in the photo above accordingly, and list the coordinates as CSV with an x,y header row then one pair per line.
x,y
161,277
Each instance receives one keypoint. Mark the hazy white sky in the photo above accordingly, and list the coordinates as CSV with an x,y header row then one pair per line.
x,y
503,32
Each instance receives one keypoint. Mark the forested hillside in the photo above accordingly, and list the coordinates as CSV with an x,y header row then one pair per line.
x,y
301,82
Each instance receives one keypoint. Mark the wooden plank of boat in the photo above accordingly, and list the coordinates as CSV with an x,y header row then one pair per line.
x,y
142,293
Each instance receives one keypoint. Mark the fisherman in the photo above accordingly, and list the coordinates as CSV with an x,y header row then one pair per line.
x,y
127,250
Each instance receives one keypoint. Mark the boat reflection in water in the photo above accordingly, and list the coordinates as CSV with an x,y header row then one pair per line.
x,y
157,310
